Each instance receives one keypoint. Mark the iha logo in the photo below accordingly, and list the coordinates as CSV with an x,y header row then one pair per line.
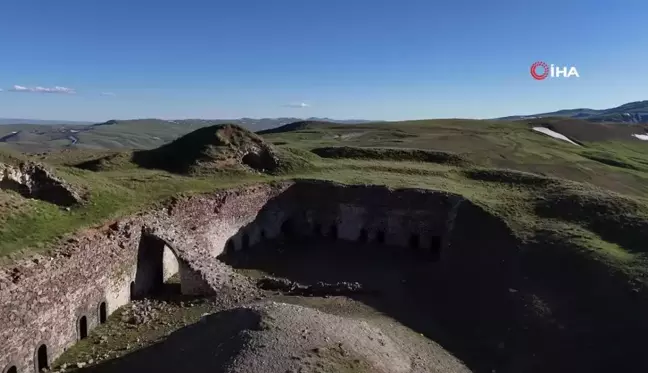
x,y
540,71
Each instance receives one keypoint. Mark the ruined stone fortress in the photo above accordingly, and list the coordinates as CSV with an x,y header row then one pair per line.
x,y
50,302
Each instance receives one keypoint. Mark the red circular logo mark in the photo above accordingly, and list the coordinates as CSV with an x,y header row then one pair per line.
x,y
534,70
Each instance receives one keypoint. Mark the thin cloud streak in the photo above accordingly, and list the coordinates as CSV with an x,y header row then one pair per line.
x,y
298,105
39,89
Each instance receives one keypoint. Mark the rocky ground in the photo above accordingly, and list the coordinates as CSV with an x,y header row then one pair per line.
x,y
269,324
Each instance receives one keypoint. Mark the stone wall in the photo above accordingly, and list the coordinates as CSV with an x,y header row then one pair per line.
x,y
43,298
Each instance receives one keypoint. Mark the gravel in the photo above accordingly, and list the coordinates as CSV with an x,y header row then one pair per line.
x,y
274,337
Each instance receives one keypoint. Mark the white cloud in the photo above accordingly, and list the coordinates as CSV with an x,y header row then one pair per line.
x,y
65,90
298,105
108,94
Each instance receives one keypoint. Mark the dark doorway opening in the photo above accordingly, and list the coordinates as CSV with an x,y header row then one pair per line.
x,y
287,229
380,237
150,265
364,236
333,232
12,369
83,327
435,248
245,241
103,312
41,358
414,243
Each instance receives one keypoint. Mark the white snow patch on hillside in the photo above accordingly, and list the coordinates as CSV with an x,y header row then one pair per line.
x,y
641,137
553,134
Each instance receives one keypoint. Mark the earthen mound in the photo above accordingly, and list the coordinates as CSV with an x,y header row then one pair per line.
x,y
394,154
213,148
276,337
33,180
297,126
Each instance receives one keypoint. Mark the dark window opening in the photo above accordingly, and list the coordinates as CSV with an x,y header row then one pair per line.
x,y
41,358
333,232
245,241
435,248
83,327
12,369
103,313
380,237
414,242
364,236
287,228
132,290
229,246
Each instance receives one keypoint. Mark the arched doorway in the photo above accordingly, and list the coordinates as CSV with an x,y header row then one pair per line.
x,y
83,327
41,358
103,312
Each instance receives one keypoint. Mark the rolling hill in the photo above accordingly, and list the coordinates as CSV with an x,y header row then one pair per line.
x,y
632,112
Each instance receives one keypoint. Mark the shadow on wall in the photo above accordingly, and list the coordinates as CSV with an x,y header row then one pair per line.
x,y
461,288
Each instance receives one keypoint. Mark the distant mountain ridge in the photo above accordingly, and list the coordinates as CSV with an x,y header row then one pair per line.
x,y
632,112
252,123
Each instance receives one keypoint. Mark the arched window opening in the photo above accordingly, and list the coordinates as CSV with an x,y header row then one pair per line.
x,y
83,327
333,232
435,248
41,358
229,246
103,313
11,369
380,237
364,236
287,229
317,229
414,242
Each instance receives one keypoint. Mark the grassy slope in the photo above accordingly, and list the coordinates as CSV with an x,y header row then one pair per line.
x,y
533,207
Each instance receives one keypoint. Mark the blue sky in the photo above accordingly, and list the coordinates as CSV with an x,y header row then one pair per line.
x,y
375,59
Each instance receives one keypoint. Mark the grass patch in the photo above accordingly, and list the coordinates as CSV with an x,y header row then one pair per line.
x,y
395,154
508,176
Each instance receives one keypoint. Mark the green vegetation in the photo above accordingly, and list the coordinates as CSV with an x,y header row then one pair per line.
x,y
590,199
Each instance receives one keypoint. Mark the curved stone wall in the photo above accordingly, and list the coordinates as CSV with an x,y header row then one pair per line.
x,y
43,298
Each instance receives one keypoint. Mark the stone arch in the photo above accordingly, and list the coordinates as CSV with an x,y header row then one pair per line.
x,y
10,368
157,261
82,327
102,312
41,357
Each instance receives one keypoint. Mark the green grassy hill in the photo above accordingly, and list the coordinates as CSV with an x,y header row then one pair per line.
x,y
590,198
